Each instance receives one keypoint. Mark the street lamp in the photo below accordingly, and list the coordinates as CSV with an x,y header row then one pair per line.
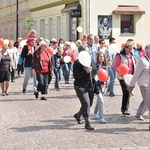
x,y
16,20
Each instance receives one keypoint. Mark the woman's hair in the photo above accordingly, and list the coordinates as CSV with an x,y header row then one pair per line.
x,y
97,58
5,46
127,44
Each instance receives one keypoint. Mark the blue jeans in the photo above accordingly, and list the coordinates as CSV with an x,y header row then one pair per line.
x,y
27,77
111,72
67,68
57,72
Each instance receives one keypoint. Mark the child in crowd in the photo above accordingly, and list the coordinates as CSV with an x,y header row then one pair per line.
x,y
57,62
101,64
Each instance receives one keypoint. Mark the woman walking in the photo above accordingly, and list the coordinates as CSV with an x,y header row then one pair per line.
x,y
125,57
41,65
6,65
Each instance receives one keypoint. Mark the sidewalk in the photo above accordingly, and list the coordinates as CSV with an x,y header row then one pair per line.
x,y
27,123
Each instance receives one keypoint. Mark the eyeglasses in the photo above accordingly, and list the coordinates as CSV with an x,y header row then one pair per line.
x,y
103,43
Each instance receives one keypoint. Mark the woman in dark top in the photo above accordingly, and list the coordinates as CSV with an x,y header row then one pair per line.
x,y
84,89
5,65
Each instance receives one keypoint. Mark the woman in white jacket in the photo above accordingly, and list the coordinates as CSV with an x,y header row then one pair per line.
x,y
141,75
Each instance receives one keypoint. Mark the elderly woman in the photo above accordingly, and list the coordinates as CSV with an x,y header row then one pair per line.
x,y
5,65
141,75
125,57
41,65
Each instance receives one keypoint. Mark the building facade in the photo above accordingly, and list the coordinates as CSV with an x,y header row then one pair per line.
x,y
60,18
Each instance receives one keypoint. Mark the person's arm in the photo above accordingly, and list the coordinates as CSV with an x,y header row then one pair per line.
x,y
138,71
24,52
117,63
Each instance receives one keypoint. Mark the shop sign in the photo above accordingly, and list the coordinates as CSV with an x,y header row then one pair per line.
x,y
76,13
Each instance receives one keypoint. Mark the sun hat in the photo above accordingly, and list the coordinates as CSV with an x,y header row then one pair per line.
x,y
42,43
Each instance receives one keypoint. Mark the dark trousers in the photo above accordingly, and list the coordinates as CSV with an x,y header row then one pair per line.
x,y
42,79
12,74
125,96
19,68
85,96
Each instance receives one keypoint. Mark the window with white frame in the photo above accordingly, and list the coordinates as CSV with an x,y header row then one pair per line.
x,y
9,26
127,24
42,28
35,25
50,29
58,27
20,27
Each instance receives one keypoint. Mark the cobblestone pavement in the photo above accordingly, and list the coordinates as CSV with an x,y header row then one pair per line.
x,y
27,123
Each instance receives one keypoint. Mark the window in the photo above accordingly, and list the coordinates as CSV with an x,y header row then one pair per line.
x,y
127,24
50,28
9,26
1,3
58,27
42,28
20,27
7,2
35,25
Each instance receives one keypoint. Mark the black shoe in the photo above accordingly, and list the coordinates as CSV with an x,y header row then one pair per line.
x,y
125,113
36,94
78,119
43,98
88,127
24,91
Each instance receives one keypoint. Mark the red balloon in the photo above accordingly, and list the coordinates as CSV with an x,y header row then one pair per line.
x,y
50,51
102,75
123,69
1,42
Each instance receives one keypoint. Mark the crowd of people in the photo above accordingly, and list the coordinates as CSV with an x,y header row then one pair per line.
x,y
41,58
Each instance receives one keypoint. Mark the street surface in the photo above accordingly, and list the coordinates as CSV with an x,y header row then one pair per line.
x,y
27,123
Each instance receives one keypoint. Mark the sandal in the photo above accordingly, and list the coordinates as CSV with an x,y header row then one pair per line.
x,y
3,94
6,93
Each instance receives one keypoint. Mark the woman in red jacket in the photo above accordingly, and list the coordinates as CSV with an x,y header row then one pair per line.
x,y
41,64
67,67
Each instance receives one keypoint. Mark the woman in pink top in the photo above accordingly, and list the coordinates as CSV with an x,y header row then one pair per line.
x,y
125,57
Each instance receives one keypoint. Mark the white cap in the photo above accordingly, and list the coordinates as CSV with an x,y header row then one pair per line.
x,y
42,43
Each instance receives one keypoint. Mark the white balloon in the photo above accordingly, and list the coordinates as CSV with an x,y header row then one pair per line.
x,y
79,29
113,49
6,41
73,46
128,78
67,59
23,43
85,58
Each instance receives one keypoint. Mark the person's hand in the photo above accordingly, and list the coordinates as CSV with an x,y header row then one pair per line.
x,y
88,70
130,88
29,52
33,73
96,77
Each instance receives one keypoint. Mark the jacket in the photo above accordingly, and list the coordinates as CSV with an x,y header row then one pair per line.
x,y
28,58
36,62
141,74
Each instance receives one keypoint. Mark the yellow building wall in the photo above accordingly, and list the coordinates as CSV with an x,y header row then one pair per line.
x,y
142,22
